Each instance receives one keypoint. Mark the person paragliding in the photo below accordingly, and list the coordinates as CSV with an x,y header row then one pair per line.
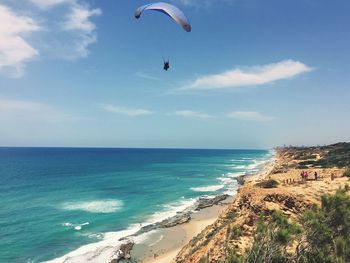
x,y
171,11
166,65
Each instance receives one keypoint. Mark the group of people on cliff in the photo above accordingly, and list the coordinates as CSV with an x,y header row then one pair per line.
x,y
304,176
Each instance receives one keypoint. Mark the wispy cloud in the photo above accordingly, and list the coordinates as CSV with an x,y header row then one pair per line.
x,y
125,111
29,111
250,76
49,3
78,22
78,19
202,3
249,116
146,76
15,49
192,114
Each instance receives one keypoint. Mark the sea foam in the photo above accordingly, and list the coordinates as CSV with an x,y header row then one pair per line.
x,y
96,206
210,188
239,166
225,180
67,224
101,251
78,227
234,175
171,209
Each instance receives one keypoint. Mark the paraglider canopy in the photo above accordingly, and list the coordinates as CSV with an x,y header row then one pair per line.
x,y
172,11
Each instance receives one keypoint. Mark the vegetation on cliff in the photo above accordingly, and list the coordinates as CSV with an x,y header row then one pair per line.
x,y
268,184
347,173
322,236
335,155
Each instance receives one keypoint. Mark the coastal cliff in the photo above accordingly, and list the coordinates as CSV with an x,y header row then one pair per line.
x,y
280,188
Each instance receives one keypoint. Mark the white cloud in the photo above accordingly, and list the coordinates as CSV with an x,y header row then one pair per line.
x,y
79,19
192,114
82,29
249,116
251,76
187,2
202,3
48,3
29,111
125,111
65,32
78,30
14,47
146,76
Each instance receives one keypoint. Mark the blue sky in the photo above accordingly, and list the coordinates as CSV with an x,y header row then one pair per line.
x,y
251,74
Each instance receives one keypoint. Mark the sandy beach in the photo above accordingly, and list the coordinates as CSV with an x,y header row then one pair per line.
x,y
165,244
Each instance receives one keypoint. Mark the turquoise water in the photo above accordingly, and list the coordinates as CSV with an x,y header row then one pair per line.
x,y
54,200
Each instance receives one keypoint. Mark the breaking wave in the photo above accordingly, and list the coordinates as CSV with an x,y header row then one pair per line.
x,y
210,188
99,206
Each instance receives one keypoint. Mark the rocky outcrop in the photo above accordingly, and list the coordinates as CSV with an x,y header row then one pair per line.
x,y
240,179
207,202
176,220
123,252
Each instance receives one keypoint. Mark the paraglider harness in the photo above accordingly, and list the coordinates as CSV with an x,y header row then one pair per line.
x,y
166,65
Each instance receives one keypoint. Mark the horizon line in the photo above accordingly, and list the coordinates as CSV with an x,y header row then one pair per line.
x,y
145,148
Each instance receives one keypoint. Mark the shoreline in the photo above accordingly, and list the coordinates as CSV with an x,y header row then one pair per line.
x,y
135,235
166,243
188,221
164,251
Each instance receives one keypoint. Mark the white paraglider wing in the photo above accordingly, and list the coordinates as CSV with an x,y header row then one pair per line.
x,y
172,11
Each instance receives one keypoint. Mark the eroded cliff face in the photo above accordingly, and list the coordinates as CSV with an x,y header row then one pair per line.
x,y
235,228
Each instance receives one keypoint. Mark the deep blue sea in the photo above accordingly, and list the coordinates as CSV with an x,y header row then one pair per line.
x,y
55,200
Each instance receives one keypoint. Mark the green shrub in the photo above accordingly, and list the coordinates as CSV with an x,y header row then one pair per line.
x,y
328,230
268,184
235,232
283,236
271,239
306,163
228,231
233,257
346,188
231,214
302,166
347,173
203,260
323,237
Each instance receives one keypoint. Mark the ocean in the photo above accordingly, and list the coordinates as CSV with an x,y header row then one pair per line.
x,y
56,200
